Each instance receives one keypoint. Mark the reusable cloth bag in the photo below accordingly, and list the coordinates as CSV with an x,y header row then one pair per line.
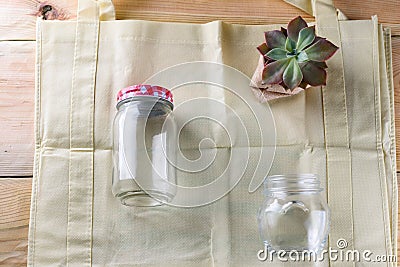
x,y
344,132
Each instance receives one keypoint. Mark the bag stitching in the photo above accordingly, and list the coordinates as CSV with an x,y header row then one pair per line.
x,y
393,153
326,126
388,66
375,40
32,243
91,108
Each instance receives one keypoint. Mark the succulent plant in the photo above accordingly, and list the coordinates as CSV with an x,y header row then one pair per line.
x,y
295,57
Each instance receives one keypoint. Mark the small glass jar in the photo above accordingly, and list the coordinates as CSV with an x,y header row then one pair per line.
x,y
144,146
294,215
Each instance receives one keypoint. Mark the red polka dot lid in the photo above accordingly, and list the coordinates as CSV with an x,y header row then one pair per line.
x,y
145,90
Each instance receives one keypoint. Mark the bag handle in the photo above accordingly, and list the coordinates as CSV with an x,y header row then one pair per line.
x,y
107,11
305,5
90,10
337,144
338,158
81,158
308,6
338,155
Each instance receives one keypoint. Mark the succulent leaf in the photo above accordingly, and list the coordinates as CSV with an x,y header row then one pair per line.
x,y
275,39
302,57
263,48
284,31
303,84
277,54
313,75
292,75
321,65
290,45
295,56
321,50
306,37
273,72
295,26
317,38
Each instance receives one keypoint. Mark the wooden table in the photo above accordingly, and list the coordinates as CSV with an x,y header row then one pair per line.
x,y
17,51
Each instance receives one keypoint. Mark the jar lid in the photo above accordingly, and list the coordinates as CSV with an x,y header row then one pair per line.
x,y
138,90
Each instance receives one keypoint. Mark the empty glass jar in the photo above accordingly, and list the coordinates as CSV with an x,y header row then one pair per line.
x,y
144,146
294,215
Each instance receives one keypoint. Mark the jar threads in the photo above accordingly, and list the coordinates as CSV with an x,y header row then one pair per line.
x,y
294,215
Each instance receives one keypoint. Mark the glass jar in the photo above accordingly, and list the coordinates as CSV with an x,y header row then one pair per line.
x,y
144,146
294,215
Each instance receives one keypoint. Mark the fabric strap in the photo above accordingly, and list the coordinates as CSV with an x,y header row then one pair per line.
x,y
79,233
340,189
79,229
339,177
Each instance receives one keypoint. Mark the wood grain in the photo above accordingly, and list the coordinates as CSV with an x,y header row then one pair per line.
x,y
17,35
396,80
18,17
15,195
16,107
17,85
14,221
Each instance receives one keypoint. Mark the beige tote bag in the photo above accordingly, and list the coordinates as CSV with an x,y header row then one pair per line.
x,y
343,132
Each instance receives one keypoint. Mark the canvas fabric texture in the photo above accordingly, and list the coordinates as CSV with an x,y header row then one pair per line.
x,y
343,132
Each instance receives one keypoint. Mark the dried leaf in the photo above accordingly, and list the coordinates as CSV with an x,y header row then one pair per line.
x,y
321,50
295,26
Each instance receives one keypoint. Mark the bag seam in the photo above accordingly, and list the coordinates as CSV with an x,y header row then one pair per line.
x,y
378,140
392,135
37,157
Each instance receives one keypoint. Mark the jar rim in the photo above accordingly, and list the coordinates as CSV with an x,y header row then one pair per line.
x,y
293,176
292,183
139,90
154,99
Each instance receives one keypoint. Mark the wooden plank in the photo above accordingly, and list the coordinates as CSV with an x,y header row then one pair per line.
x,y
15,197
386,10
18,17
17,22
396,80
16,107
17,104
14,220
